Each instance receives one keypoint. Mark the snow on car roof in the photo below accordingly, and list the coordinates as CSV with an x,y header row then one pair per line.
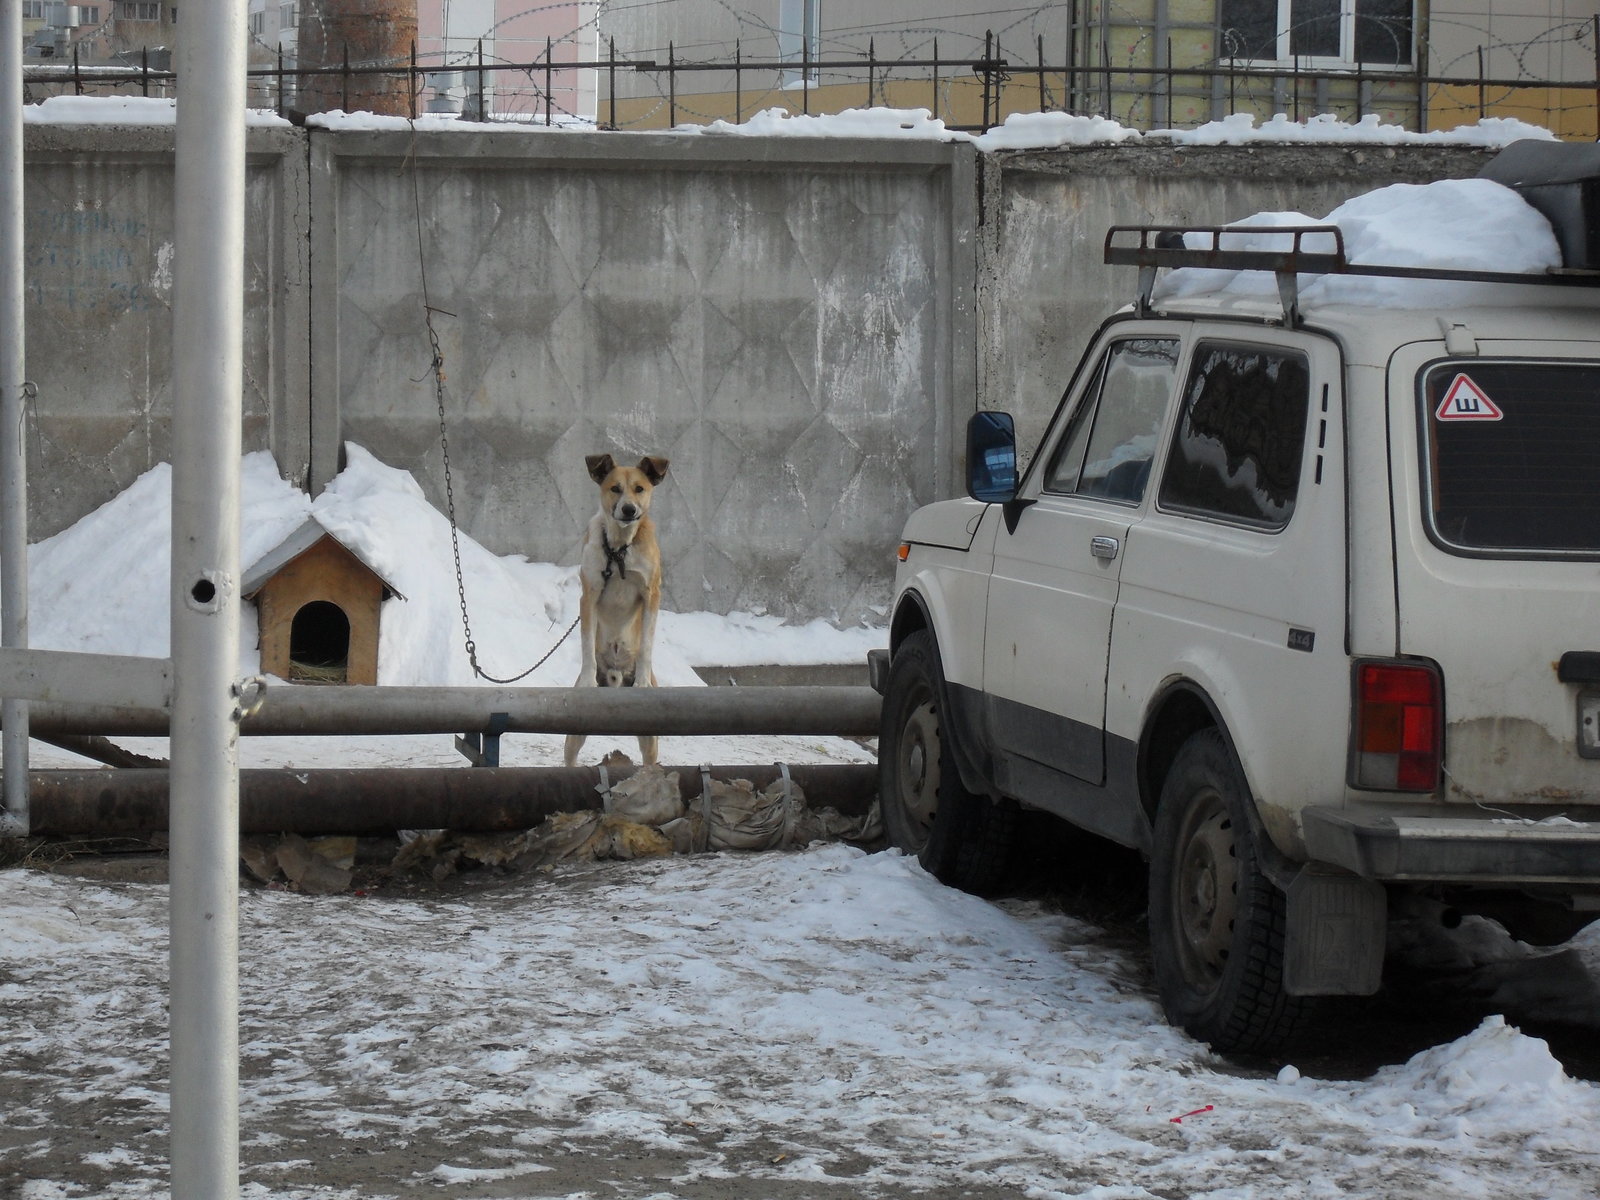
x,y
1450,224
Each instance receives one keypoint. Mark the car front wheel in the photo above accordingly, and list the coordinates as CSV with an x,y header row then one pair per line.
x,y
961,839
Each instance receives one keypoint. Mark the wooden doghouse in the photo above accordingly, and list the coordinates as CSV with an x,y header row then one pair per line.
x,y
318,606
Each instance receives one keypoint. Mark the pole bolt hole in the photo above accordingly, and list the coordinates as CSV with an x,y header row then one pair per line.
x,y
210,592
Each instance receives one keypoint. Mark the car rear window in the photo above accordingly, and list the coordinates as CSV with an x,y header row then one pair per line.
x,y
1511,450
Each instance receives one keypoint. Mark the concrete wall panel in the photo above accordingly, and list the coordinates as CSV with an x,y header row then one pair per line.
x,y
98,224
801,325
775,328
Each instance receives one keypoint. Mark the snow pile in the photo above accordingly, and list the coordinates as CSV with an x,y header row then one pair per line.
x,y
518,608
123,110
1241,129
427,123
1456,224
1032,131
1051,130
1021,131
912,123
103,586
1495,1078
742,639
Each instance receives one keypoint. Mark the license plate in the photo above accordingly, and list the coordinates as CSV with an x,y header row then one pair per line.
x,y
1589,724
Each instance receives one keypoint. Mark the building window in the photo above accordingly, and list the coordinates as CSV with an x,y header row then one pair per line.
x,y
258,23
89,14
137,10
33,10
1328,32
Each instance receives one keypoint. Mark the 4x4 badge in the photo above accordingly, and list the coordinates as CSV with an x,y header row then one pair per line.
x,y
1466,401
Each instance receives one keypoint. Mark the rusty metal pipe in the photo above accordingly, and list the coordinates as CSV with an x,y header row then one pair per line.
x,y
102,750
374,801
289,709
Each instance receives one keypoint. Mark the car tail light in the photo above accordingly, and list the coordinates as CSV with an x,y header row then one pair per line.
x,y
1399,723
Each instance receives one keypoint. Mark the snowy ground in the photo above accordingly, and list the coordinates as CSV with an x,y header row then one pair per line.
x,y
821,1023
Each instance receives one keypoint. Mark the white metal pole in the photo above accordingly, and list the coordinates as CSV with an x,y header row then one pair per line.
x,y
207,353
13,459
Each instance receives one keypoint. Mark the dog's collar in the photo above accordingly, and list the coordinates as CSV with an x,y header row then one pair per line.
x,y
616,556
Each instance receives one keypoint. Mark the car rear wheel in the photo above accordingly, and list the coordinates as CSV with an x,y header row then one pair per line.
x,y
961,839
1216,920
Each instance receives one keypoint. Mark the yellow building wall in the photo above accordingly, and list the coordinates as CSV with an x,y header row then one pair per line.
x,y
1123,78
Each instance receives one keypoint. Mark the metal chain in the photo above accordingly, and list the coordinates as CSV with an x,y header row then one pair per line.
x,y
437,367
455,538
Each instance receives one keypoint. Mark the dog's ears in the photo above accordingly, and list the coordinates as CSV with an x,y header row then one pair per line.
x,y
601,465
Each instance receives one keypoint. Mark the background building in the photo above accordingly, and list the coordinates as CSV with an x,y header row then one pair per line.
x,y
1148,63
459,36
543,39
1423,64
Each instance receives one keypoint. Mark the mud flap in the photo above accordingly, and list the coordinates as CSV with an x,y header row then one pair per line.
x,y
1335,934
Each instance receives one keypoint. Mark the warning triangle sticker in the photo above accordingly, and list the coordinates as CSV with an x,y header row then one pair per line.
x,y
1466,401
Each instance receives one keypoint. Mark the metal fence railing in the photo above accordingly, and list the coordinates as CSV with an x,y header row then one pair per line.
x,y
973,93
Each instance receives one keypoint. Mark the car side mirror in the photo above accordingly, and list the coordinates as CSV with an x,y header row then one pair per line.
x,y
992,457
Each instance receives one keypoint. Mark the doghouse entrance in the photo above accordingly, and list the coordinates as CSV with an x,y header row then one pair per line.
x,y
319,644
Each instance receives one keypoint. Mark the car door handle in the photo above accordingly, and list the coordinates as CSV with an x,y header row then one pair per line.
x,y
1104,547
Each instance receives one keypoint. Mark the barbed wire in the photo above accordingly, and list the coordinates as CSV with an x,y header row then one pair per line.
x,y
1131,86
1253,89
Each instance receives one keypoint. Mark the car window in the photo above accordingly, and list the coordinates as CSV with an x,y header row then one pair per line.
x,y
1107,450
1240,435
1511,449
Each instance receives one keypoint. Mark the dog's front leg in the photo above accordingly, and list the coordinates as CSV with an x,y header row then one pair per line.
x,y
586,672
586,624
644,669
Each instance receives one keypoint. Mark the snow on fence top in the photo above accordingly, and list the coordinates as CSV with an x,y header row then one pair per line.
x,y
1021,131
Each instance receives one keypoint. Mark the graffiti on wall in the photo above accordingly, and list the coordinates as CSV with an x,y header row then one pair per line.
x,y
88,262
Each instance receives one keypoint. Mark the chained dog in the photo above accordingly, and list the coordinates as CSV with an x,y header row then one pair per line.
x,y
620,573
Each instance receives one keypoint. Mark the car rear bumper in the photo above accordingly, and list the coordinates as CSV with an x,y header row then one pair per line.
x,y
1474,850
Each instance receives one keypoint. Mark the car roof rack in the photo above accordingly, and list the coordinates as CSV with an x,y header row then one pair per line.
x,y
1151,247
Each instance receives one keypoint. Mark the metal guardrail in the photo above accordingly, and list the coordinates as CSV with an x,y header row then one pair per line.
x,y
379,801
355,710
67,677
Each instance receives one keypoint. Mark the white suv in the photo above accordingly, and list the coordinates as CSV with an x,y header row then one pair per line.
x,y
1303,605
